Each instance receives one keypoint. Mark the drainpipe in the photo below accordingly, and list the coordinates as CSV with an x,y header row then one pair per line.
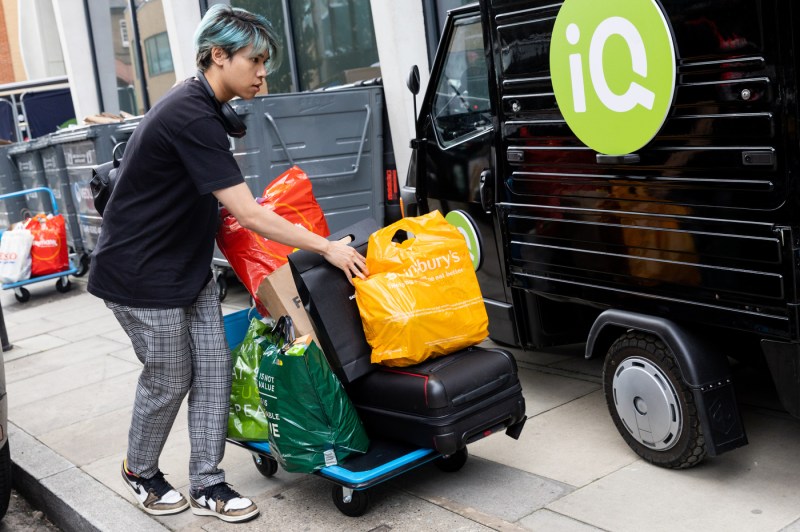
x,y
139,56
93,51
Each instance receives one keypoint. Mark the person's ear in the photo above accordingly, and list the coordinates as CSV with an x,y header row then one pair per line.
x,y
218,55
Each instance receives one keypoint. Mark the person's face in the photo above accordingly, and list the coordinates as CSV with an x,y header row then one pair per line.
x,y
243,73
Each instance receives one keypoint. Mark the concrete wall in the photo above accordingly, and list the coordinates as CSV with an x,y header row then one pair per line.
x,y
400,45
182,20
73,35
39,45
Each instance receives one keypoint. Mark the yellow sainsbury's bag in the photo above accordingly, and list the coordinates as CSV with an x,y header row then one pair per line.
x,y
422,297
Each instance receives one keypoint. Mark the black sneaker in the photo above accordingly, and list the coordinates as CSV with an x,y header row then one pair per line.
x,y
220,500
154,495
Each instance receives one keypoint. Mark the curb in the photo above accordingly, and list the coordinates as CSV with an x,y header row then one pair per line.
x,y
72,500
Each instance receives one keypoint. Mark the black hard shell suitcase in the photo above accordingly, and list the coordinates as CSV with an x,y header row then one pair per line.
x,y
442,403
330,302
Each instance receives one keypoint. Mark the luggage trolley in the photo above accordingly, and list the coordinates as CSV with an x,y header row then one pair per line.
x,y
353,477
63,283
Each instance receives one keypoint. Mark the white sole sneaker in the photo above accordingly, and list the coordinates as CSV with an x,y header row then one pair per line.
x,y
199,509
146,499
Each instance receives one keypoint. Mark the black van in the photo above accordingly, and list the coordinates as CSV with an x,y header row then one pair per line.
x,y
667,240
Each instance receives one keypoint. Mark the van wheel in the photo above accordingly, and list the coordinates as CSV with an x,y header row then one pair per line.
x,y
651,406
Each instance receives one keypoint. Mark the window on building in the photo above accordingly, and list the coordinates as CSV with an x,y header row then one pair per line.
x,y
159,56
333,42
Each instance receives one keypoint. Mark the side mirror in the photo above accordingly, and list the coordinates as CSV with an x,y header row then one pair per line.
x,y
412,82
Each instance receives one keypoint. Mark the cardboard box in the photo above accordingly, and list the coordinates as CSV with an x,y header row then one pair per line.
x,y
277,292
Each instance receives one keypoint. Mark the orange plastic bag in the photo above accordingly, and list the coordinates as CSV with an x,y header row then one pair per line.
x,y
49,253
422,298
253,257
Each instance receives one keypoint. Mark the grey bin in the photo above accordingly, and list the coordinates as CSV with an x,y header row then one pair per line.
x,y
336,137
28,162
12,210
83,148
55,172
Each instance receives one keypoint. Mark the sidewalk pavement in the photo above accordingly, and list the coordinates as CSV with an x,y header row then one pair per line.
x,y
71,378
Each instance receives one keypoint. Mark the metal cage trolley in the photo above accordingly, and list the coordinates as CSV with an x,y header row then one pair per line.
x,y
63,283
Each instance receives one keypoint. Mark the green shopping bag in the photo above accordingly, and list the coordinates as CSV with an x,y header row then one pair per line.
x,y
313,424
247,419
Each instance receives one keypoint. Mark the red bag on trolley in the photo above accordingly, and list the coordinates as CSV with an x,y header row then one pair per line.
x,y
49,253
253,257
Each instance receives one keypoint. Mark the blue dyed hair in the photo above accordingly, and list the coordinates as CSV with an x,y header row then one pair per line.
x,y
231,29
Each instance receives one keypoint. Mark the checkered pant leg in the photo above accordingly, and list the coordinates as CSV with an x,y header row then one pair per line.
x,y
182,349
209,398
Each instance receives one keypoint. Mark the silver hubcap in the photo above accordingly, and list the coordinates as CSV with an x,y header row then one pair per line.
x,y
647,403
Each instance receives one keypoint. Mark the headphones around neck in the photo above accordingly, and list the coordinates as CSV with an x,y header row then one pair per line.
x,y
234,125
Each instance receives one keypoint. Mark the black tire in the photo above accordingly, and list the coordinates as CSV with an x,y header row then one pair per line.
x,y
222,286
452,463
266,466
641,380
63,285
83,266
5,478
356,507
22,294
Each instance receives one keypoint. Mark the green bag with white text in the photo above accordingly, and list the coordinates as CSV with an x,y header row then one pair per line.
x,y
247,420
313,424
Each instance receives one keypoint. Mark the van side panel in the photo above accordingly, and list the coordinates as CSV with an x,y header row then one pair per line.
x,y
700,228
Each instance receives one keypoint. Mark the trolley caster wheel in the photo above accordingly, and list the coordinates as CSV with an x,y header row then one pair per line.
x,y
266,466
350,503
63,285
83,266
222,287
454,462
22,294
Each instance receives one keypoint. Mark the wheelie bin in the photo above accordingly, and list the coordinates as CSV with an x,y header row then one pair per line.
x,y
55,171
12,208
28,162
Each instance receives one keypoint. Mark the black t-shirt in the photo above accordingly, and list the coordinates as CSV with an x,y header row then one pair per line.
x,y
157,238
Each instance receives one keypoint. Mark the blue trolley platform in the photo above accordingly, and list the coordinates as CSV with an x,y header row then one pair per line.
x,y
63,283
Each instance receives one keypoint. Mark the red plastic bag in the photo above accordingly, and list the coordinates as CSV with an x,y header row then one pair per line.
x,y
49,253
253,257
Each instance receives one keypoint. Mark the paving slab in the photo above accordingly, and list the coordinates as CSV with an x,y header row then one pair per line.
x,y
489,487
575,443
308,506
92,439
746,489
67,378
36,364
546,520
73,406
36,344
545,391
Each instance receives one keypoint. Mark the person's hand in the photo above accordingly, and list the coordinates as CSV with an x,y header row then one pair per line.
x,y
346,259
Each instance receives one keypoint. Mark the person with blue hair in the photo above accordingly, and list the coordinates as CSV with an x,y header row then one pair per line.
x,y
152,260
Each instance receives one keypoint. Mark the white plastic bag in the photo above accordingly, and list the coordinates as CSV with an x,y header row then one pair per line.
x,y
15,255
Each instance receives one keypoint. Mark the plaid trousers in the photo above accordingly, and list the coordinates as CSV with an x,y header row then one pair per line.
x,y
183,350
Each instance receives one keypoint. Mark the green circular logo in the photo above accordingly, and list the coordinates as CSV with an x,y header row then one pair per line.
x,y
466,226
613,70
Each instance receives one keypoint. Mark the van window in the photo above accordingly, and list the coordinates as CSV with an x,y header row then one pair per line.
x,y
461,104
